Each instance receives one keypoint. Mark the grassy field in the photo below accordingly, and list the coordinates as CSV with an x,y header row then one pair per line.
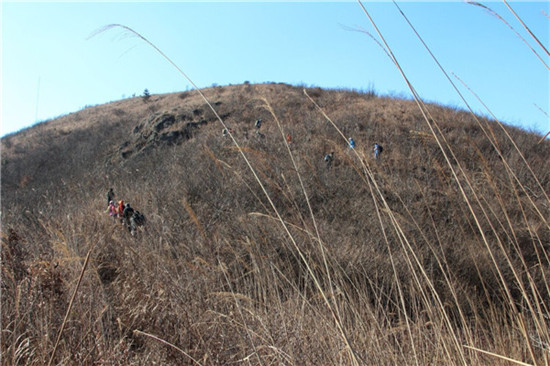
x,y
256,252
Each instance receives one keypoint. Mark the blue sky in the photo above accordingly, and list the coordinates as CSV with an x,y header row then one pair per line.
x,y
51,68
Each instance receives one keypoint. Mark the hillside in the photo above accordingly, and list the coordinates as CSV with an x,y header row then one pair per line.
x,y
433,251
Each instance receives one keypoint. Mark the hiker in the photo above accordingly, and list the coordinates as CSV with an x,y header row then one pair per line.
x,y
329,158
112,210
121,210
127,215
351,143
137,219
288,138
110,196
258,124
224,132
377,151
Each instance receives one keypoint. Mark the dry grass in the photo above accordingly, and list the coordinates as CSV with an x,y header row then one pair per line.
x,y
256,253
387,260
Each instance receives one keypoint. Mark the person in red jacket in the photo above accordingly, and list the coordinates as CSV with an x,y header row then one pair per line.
x,y
120,210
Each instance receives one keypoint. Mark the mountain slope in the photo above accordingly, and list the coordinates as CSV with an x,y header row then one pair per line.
x,y
396,257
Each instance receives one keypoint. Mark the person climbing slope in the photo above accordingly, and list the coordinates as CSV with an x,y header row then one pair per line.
x,y
377,151
127,215
110,196
328,159
121,210
112,210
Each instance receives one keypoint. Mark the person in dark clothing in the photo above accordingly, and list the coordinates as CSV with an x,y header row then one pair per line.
x,y
377,151
328,159
127,215
110,196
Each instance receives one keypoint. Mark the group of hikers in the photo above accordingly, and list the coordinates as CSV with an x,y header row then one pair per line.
x,y
351,144
377,148
328,158
124,213
132,218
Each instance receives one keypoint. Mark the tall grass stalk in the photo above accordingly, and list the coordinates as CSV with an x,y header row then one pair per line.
x,y
540,326
491,138
430,121
333,304
494,13
158,339
544,219
374,187
237,304
71,302
517,362
433,254
353,354
546,114
526,27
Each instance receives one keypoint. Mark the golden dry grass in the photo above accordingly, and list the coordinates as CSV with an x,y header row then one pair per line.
x,y
381,262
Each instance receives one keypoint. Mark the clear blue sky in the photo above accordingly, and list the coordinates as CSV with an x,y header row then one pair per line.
x,y
50,68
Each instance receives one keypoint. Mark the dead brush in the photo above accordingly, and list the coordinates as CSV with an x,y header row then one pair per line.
x,y
522,323
256,253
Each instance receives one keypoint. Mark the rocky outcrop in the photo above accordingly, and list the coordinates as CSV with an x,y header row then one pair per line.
x,y
165,128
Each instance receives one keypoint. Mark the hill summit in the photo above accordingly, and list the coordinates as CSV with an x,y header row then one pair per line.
x,y
258,250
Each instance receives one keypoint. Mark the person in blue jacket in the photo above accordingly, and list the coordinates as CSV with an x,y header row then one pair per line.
x,y
377,151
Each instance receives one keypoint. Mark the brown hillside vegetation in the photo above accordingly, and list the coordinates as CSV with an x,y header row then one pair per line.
x,y
435,254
